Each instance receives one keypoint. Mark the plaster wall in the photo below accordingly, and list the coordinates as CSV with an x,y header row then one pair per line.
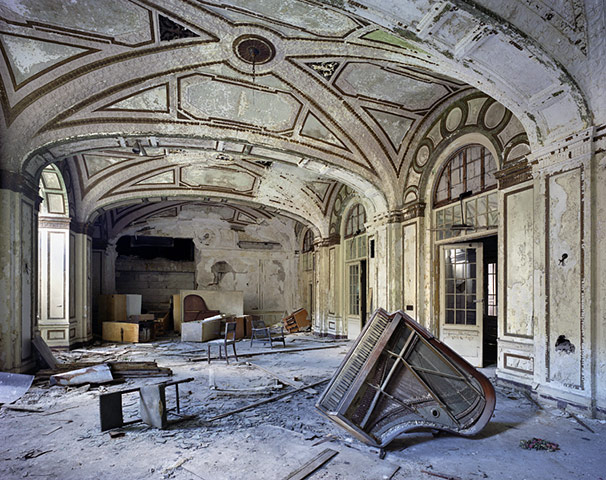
x,y
599,296
17,259
265,270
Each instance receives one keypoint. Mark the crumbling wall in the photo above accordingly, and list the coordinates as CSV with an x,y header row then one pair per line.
x,y
257,259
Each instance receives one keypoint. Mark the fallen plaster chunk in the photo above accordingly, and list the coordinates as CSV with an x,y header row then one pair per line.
x,y
95,374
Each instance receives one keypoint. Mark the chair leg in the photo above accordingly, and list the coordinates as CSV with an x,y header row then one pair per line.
x,y
283,341
208,352
252,335
235,354
226,355
271,345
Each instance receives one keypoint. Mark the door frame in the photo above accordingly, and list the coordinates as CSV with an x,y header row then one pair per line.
x,y
459,331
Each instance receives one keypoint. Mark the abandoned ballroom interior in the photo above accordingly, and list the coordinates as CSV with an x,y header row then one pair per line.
x,y
440,158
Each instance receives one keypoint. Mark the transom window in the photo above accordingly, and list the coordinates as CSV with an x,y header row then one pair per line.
x,y
470,169
308,241
355,221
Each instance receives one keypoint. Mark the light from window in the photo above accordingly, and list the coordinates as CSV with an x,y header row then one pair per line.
x,y
470,169
355,221
492,290
308,241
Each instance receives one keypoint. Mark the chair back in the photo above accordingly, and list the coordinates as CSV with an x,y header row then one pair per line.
x,y
230,331
258,323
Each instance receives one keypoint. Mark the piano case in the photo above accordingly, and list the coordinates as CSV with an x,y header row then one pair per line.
x,y
398,378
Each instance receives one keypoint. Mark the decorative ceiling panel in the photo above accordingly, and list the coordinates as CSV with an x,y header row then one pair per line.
x,y
29,57
207,98
291,14
120,21
152,99
384,85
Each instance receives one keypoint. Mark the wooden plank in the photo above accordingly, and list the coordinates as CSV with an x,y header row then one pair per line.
x,y
310,467
120,332
267,400
177,316
44,351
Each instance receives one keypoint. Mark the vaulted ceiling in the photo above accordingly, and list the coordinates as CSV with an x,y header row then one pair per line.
x,y
278,103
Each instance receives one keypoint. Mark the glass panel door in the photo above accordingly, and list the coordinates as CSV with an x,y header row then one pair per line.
x,y
461,294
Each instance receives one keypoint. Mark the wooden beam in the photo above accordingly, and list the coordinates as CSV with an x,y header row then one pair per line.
x,y
267,400
310,467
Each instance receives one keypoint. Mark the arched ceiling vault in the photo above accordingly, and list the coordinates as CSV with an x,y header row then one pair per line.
x,y
343,90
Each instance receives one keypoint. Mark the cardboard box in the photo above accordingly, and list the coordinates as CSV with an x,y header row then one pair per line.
x,y
201,330
125,332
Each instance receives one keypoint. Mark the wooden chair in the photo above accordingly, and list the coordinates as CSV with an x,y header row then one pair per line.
x,y
260,331
229,339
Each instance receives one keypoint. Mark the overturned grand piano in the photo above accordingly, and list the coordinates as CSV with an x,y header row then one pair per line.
x,y
398,378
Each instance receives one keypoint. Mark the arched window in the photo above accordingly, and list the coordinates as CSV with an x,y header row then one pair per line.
x,y
308,241
470,169
355,221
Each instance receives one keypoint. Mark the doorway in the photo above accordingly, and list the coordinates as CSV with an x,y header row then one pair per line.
x,y
468,299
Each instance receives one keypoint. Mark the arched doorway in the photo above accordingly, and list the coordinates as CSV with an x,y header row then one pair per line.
x,y
356,271
466,214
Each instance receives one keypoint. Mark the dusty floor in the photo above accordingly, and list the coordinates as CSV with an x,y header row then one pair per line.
x,y
64,441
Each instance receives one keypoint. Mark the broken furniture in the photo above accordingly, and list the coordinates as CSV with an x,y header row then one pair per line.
x,y
228,339
241,323
297,321
398,377
152,405
260,331
202,331
194,309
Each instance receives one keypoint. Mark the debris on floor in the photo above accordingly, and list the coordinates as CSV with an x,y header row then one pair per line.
x,y
58,427
96,374
539,444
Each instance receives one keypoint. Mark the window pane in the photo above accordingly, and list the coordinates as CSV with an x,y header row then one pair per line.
x,y
450,316
471,318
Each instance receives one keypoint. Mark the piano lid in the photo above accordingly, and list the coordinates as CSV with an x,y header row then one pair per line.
x,y
398,377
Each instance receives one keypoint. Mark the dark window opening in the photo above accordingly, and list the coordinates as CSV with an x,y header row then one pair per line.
x,y
156,247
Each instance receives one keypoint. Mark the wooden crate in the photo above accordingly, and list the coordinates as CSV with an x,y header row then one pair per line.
x,y
297,321
112,308
125,332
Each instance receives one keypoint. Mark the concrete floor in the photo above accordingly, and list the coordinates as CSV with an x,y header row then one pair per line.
x,y
64,441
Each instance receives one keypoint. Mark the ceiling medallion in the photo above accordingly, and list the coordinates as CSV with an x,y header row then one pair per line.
x,y
254,49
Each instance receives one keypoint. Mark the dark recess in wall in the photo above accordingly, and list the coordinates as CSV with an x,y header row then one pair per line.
x,y
156,247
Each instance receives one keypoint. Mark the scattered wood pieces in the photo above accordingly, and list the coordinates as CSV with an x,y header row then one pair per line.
x,y
262,402
53,430
176,465
328,438
119,370
440,475
532,400
262,352
116,434
285,381
19,408
307,469
580,422
35,453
